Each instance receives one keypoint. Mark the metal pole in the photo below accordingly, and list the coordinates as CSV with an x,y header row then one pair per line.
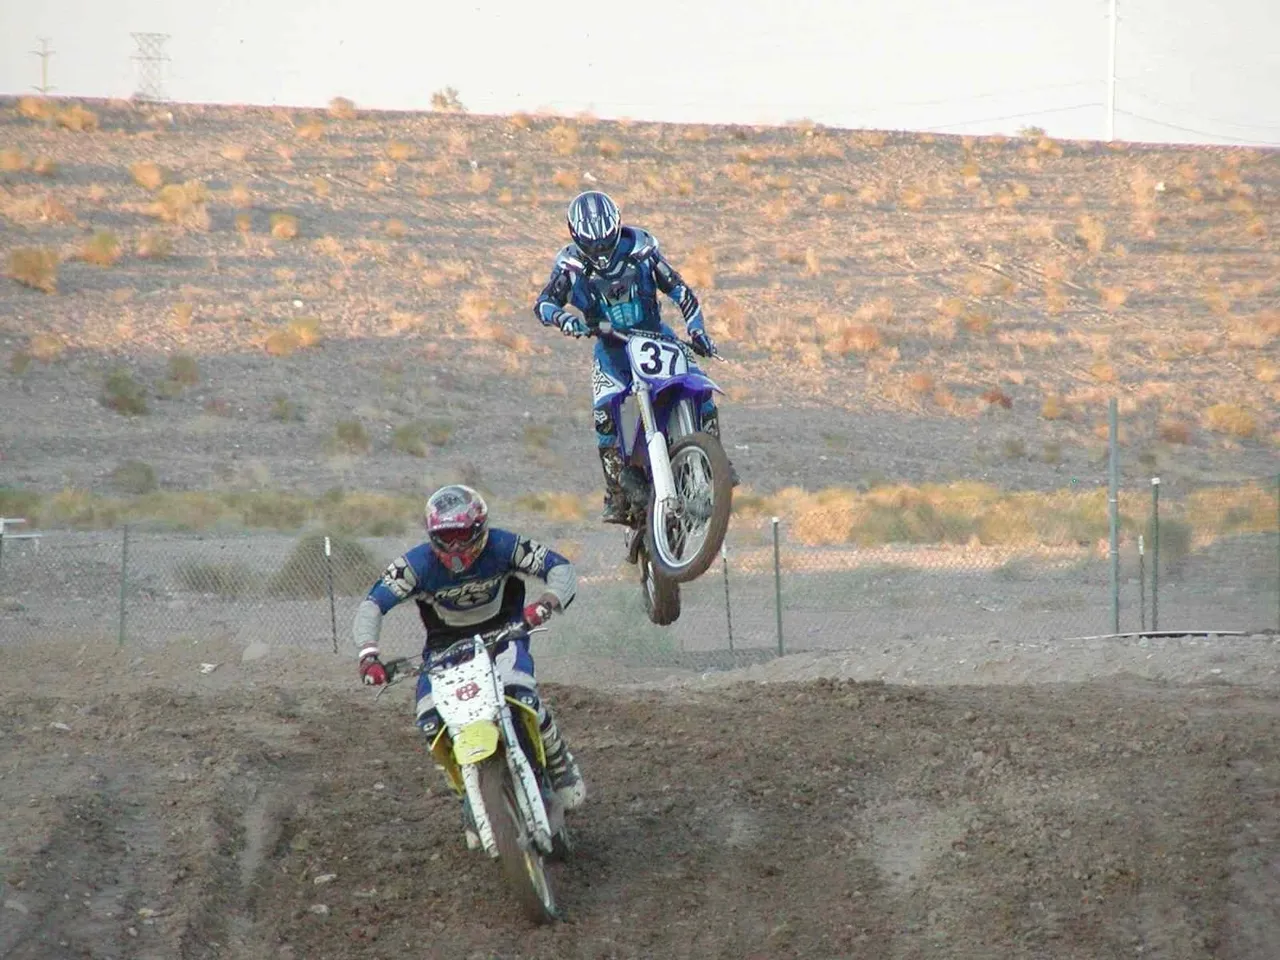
x,y
1111,72
1113,504
5,521
1155,553
1142,587
124,578
328,568
777,584
1278,551
44,53
728,614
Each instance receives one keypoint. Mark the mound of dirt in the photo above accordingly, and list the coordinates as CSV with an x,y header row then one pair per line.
x,y
240,814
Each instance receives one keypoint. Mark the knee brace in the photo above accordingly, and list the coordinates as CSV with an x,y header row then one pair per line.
x,y
430,724
710,418
606,430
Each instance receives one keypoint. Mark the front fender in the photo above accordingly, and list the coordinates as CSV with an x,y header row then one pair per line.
x,y
689,382
476,741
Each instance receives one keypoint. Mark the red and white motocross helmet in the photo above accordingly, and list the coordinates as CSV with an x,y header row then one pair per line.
x,y
457,521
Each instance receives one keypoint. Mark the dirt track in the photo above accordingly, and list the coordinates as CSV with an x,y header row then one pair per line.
x,y
190,815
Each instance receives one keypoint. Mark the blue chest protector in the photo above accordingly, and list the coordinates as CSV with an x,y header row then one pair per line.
x,y
492,589
627,296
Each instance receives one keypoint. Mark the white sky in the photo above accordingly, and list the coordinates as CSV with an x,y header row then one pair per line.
x,y
1209,68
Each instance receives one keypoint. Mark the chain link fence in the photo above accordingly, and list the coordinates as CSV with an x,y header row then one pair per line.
x,y
825,572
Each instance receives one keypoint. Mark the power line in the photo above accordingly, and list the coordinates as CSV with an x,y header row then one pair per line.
x,y
1138,91
1201,133
1018,116
977,96
872,107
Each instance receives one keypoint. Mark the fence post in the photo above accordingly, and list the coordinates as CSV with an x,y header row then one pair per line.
x,y
1113,504
728,615
124,579
777,584
1142,587
1155,553
1278,551
328,570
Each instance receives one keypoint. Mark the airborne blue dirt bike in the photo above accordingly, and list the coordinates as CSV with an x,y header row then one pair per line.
x,y
677,479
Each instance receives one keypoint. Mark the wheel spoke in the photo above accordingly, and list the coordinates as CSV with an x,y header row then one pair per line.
x,y
685,525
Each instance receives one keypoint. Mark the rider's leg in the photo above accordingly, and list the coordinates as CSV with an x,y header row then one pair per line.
x,y
429,723
611,464
607,377
515,665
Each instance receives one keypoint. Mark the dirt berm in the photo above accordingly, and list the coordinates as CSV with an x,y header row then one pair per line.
x,y
273,810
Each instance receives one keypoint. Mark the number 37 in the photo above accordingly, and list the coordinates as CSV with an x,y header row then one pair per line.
x,y
655,355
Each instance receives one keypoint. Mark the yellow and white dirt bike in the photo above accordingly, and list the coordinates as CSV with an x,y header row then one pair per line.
x,y
491,747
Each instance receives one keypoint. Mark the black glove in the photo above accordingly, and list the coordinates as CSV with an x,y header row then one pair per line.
x,y
702,344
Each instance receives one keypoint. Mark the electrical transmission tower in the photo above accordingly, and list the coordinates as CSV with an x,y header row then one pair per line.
x,y
149,64
44,53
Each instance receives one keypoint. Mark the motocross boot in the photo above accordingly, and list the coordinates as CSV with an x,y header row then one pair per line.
x,y
615,501
566,778
711,427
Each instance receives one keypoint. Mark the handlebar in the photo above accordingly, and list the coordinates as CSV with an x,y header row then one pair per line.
x,y
605,329
490,638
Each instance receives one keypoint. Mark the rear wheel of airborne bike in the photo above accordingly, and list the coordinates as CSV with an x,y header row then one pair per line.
x,y
684,541
661,594
522,863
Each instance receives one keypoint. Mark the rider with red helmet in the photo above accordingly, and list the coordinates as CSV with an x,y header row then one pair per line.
x,y
469,578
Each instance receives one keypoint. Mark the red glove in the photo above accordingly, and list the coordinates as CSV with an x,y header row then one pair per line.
x,y
536,614
372,671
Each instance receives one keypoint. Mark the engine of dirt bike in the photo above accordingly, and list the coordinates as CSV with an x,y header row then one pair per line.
x,y
676,418
636,487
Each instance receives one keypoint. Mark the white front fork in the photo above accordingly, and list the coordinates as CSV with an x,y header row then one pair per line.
x,y
528,793
484,827
664,487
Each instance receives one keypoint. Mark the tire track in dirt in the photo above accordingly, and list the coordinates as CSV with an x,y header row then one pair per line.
x,y
95,885
244,826
817,819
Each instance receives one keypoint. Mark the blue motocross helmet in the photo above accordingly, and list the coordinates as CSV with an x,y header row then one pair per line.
x,y
595,226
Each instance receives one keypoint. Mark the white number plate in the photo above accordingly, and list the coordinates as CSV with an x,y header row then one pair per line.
x,y
657,358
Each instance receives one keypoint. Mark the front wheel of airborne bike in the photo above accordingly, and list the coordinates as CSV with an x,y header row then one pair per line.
x,y
685,536
661,594
521,861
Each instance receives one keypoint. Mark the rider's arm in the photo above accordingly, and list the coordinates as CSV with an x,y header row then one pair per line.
x,y
673,285
562,290
398,583
532,559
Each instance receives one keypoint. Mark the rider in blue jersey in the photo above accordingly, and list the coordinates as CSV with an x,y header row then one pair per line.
x,y
615,272
469,578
